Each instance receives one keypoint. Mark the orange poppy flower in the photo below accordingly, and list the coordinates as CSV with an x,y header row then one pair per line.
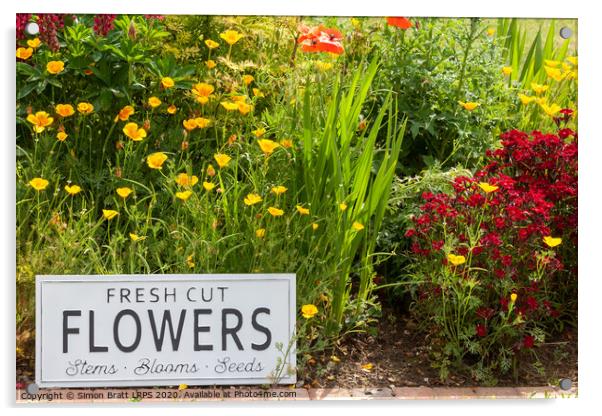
x,y
400,22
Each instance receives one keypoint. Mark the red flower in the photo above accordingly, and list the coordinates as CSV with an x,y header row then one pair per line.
x,y
528,341
320,39
400,22
481,330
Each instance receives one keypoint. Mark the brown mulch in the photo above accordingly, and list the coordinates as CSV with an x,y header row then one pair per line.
x,y
399,357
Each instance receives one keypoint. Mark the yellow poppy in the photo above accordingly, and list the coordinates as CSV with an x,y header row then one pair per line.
x,y
38,184
456,260
257,93
172,109
109,214
513,297
73,189
259,132
183,179
252,199
267,146
189,124
552,241
260,232
64,110
211,44
550,110
125,113
24,53
525,99
309,311
202,122
61,136
275,212
202,92
244,108
507,70
156,160
230,106
85,108
314,226
134,132
342,206
167,82
278,190
154,102
487,188
210,64
208,185
286,143
302,211
247,79
40,121
54,67
34,43
357,226
469,105
210,171
231,36
538,88
136,237
184,195
124,192
222,159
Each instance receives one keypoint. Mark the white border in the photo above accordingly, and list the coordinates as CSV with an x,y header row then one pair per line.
x,y
42,280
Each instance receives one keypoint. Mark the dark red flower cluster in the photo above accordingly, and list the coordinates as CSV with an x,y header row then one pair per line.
x,y
526,191
320,39
49,26
103,23
22,19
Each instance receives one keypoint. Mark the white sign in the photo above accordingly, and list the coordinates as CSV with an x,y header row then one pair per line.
x,y
151,330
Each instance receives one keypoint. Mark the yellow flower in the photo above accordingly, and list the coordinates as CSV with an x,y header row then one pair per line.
x,y
513,297
183,195
487,188
109,214
183,179
134,132
202,122
54,67
211,44
247,79
525,99
172,109
210,171
202,92
551,63
244,108
167,82
24,53
573,60
154,102
323,66
491,31
367,367
125,113
260,232
64,110
231,36
210,64
38,184
257,93
222,159
275,212
252,199
40,121
314,226
124,192
286,143
136,237
259,132
550,110
469,105
552,241
156,160
73,189
85,108
34,43
208,185
230,106
302,211
357,226
456,260
190,263
61,136
308,311
506,70
189,124
538,88
278,190
342,206
554,73
267,146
